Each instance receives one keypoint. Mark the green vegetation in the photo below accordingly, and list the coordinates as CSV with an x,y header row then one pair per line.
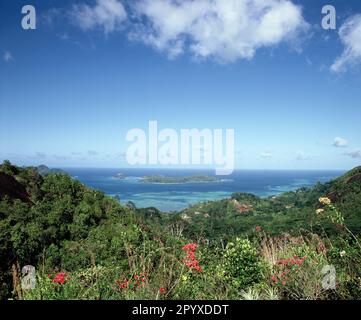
x,y
86,245
43,170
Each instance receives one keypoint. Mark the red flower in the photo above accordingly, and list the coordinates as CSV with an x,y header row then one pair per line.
x,y
191,261
198,268
134,282
60,278
190,247
122,284
258,228
285,268
162,290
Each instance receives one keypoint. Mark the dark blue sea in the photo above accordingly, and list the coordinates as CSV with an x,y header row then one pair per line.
x,y
172,197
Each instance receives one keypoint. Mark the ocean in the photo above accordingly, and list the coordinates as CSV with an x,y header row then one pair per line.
x,y
174,197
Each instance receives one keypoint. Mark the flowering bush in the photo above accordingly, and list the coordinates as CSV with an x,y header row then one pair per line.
x,y
134,282
331,213
191,261
60,278
87,284
335,216
298,275
286,268
194,282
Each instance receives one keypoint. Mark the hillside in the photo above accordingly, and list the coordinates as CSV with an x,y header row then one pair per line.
x,y
43,170
288,212
86,245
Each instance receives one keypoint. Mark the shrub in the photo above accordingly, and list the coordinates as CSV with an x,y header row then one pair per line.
x,y
345,255
298,274
241,264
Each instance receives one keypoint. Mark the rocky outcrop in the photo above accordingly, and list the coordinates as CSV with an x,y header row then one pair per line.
x,y
11,188
354,178
241,207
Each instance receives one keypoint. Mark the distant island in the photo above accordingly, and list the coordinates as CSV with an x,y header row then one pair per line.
x,y
177,180
43,170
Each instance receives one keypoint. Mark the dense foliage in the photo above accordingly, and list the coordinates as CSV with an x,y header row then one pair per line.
x,y
86,245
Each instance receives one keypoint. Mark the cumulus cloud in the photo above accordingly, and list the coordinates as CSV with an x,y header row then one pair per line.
x,y
340,142
7,56
356,154
104,14
223,30
350,35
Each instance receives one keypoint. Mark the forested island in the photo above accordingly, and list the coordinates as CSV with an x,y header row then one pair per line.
x,y
86,245
177,180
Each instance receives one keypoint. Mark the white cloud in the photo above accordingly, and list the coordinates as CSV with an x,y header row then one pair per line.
x,y
223,30
340,142
266,155
350,35
300,156
105,14
7,56
354,154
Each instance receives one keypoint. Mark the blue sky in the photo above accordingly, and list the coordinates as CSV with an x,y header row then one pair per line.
x,y
92,70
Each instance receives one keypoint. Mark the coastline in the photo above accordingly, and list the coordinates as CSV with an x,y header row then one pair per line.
x,y
175,196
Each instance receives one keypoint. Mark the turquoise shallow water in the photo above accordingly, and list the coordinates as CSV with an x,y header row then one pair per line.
x,y
172,197
174,200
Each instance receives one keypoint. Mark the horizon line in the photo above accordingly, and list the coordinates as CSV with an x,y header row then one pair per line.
x,y
172,168
177,168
